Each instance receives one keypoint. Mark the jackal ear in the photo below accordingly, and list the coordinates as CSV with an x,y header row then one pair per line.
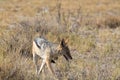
x,y
62,43
66,41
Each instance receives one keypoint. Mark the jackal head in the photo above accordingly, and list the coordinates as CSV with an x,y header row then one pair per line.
x,y
64,50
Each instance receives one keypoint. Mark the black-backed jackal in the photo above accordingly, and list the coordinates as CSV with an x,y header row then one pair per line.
x,y
49,52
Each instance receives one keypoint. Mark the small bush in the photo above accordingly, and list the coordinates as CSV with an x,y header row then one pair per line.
x,y
109,21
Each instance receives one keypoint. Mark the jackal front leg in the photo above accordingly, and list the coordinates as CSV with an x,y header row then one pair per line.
x,y
48,63
42,65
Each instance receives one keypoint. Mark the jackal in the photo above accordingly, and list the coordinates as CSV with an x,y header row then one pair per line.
x,y
49,52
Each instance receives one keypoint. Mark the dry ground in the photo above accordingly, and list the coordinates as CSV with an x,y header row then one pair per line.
x,y
92,27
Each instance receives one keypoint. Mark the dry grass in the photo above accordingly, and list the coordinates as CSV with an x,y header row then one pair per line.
x,y
92,27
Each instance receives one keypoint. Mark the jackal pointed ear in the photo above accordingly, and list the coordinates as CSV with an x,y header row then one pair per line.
x,y
62,43
66,41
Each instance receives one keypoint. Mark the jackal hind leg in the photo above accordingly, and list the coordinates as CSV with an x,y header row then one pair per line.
x,y
35,60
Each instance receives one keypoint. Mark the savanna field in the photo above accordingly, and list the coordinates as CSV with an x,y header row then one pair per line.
x,y
91,26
